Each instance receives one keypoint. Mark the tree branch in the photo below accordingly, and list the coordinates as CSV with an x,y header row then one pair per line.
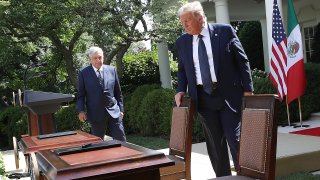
x,y
74,39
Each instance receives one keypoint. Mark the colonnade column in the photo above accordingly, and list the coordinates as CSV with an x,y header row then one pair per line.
x,y
222,11
164,65
266,45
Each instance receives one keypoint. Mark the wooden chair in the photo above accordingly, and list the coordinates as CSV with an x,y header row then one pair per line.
x,y
180,142
258,139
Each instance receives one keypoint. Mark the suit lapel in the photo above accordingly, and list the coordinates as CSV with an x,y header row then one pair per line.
x,y
215,44
106,74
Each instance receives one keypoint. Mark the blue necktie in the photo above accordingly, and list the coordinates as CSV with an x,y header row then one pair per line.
x,y
100,79
204,66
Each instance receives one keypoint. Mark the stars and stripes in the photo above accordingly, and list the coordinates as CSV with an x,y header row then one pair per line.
x,y
278,61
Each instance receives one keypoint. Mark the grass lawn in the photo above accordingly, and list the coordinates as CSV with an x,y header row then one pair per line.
x,y
148,142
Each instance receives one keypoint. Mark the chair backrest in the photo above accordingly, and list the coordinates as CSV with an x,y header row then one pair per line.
x,y
258,139
181,129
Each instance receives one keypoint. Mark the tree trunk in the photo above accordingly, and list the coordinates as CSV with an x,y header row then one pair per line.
x,y
119,57
71,70
67,54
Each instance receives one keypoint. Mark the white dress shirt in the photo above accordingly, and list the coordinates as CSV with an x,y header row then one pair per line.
x,y
195,42
100,70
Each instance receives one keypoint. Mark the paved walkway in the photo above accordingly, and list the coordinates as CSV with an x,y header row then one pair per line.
x,y
201,168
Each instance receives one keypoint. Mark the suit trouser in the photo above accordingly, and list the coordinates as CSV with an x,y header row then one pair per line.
x,y
115,126
221,125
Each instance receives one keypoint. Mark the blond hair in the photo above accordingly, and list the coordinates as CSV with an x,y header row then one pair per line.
x,y
194,7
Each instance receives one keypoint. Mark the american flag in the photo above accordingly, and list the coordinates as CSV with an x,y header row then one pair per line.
x,y
278,62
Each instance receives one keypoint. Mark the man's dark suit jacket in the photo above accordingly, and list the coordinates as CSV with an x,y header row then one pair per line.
x,y
230,62
97,99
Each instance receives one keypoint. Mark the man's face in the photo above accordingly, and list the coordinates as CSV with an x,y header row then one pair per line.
x,y
97,59
192,24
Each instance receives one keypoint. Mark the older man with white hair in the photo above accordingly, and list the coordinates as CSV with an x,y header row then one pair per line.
x,y
99,93
215,69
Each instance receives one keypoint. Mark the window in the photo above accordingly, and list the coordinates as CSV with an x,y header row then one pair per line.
x,y
309,33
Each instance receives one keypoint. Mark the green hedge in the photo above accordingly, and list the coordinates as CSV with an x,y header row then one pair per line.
x,y
309,101
251,39
132,107
148,111
13,122
197,131
155,112
143,68
2,168
66,119
139,69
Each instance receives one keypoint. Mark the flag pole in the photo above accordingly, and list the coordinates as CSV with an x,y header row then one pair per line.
x,y
300,114
288,113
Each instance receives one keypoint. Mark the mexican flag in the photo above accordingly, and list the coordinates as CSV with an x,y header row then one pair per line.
x,y
296,77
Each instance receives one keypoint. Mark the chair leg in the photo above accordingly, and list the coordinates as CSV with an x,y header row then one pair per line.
x,y
188,177
188,168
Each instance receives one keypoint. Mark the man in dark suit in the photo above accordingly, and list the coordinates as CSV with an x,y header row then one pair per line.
x,y
99,90
215,70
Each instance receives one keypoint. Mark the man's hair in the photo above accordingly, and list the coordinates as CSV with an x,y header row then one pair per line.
x,y
92,50
194,7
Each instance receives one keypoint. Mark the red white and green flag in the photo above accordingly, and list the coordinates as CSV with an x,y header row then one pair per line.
x,y
296,78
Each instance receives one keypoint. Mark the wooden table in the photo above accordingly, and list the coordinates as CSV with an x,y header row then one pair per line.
x,y
127,161
31,144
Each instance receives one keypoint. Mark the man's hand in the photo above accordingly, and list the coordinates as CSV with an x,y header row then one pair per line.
x,y
178,98
82,116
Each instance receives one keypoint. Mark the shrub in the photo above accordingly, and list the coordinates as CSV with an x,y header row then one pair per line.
x,y
13,122
263,85
143,68
251,38
66,119
155,113
309,101
132,106
2,168
140,68
197,131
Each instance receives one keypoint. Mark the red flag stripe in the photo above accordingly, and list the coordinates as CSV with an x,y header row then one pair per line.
x,y
280,79
280,62
273,81
277,79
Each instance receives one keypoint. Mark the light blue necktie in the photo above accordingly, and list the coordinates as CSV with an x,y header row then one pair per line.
x,y
204,66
